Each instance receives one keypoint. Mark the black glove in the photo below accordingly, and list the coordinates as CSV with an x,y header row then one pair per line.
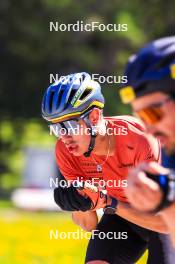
x,y
69,199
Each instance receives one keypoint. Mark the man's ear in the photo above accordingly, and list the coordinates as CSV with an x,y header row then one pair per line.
x,y
95,116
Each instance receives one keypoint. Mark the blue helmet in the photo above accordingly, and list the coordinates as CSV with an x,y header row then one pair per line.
x,y
151,69
70,97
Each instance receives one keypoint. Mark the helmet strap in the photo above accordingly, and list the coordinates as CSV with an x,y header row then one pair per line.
x,y
93,134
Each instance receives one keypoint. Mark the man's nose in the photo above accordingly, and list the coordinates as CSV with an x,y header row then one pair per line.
x,y
65,137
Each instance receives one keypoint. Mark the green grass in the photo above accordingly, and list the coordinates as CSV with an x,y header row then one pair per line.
x,y
25,238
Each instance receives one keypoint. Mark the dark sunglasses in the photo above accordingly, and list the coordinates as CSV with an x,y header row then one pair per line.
x,y
68,127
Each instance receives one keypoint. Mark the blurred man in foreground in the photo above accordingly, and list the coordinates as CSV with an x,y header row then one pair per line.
x,y
151,93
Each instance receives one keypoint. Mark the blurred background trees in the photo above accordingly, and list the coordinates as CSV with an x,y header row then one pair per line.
x,y
30,52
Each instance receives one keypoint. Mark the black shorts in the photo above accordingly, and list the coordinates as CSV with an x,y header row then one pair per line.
x,y
118,251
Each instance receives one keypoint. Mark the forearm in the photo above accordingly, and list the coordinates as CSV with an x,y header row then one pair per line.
x,y
149,221
86,220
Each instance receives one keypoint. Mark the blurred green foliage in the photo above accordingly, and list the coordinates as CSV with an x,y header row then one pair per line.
x,y
30,52
15,140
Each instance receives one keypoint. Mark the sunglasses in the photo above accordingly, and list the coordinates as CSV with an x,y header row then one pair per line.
x,y
154,113
65,128
68,127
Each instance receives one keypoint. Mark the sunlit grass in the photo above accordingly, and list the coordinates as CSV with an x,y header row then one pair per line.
x,y
25,238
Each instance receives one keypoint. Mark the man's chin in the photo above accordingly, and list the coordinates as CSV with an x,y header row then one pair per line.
x,y
77,154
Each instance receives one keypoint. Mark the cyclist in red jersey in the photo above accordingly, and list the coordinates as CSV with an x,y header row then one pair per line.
x,y
102,151
127,148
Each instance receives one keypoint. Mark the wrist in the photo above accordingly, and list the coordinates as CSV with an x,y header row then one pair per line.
x,y
111,206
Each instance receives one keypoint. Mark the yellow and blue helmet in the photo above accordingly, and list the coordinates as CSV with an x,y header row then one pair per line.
x,y
70,97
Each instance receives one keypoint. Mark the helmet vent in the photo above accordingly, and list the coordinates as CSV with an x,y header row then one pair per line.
x,y
51,101
72,93
85,94
166,61
59,97
83,78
